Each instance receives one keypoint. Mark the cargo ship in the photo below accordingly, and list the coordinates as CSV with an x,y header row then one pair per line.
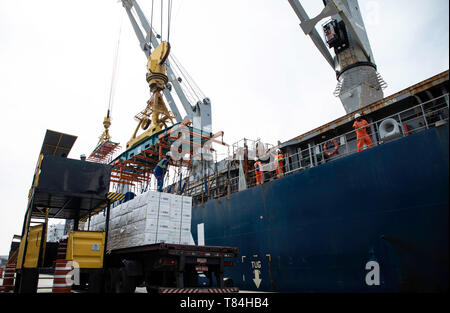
x,y
319,213
323,213
318,227
336,219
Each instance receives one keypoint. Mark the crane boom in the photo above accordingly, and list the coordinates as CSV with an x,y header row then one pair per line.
x,y
146,44
359,83
200,113
303,16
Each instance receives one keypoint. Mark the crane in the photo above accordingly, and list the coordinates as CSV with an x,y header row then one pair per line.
x,y
162,76
359,83
105,136
105,148
154,117
160,69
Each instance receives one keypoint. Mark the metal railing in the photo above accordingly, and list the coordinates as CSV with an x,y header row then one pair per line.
x,y
410,121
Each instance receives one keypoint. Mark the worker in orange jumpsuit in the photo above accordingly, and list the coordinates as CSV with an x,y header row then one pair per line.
x,y
258,172
362,138
279,163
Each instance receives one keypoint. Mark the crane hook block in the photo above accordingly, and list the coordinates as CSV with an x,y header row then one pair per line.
x,y
156,71
159,55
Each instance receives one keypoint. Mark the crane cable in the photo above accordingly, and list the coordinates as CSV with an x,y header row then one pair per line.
x,y
116,61
190,79
192,87
162,10
151,27
187,88
195,93
169,19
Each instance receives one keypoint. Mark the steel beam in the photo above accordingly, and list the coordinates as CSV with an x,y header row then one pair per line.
x,y
313,34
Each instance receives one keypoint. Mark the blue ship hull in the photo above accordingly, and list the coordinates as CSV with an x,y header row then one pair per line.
x,y
316,230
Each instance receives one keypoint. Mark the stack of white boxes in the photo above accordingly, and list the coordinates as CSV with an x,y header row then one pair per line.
x,y
186,215
55,232
97,222
152,217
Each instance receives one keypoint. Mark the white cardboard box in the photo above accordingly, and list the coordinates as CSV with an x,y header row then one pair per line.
x,y
152,211
151,224
150,237
164,212
162,236
148,218
185,228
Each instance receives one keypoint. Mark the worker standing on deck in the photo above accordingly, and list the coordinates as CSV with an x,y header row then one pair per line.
x,y
258,172
279,163
161,169
362,137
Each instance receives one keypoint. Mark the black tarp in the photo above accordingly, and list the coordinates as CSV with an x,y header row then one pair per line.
x,y
71,188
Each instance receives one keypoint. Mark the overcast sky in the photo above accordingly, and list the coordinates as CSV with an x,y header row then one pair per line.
x,y
264,77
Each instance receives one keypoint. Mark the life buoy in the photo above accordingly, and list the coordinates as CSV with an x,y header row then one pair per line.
x,y
335,150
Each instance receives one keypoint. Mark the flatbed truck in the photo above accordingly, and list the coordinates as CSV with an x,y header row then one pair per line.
x,y
168,268
59,191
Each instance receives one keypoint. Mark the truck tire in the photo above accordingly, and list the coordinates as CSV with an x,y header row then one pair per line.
x,y
228,282
96,281
84,279
150,290
125,283
111,277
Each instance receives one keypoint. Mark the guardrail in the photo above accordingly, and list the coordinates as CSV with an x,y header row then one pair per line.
x,y
409,121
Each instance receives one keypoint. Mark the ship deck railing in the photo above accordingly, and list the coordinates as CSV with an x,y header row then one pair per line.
x,y
411,121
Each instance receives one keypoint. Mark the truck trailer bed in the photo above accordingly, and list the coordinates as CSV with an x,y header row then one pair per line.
x,y
177,249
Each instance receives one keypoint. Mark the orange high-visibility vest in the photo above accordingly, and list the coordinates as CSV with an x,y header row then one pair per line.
x,y
279,158
258,172
279,163
360,128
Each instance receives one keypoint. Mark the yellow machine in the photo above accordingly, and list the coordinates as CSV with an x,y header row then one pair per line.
x,y
86,248
34,233
155,116
33,248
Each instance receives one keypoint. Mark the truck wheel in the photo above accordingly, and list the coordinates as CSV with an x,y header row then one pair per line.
x,y
111,277
150,290
228,282
125,283
96,283
83,283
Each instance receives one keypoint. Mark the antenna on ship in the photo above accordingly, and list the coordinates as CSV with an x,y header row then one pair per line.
x,y
359,83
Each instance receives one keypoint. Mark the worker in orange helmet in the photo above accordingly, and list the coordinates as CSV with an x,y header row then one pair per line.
x,y
279,163
362,138
258,172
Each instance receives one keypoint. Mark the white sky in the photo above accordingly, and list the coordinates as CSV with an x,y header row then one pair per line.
x,y
264,77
